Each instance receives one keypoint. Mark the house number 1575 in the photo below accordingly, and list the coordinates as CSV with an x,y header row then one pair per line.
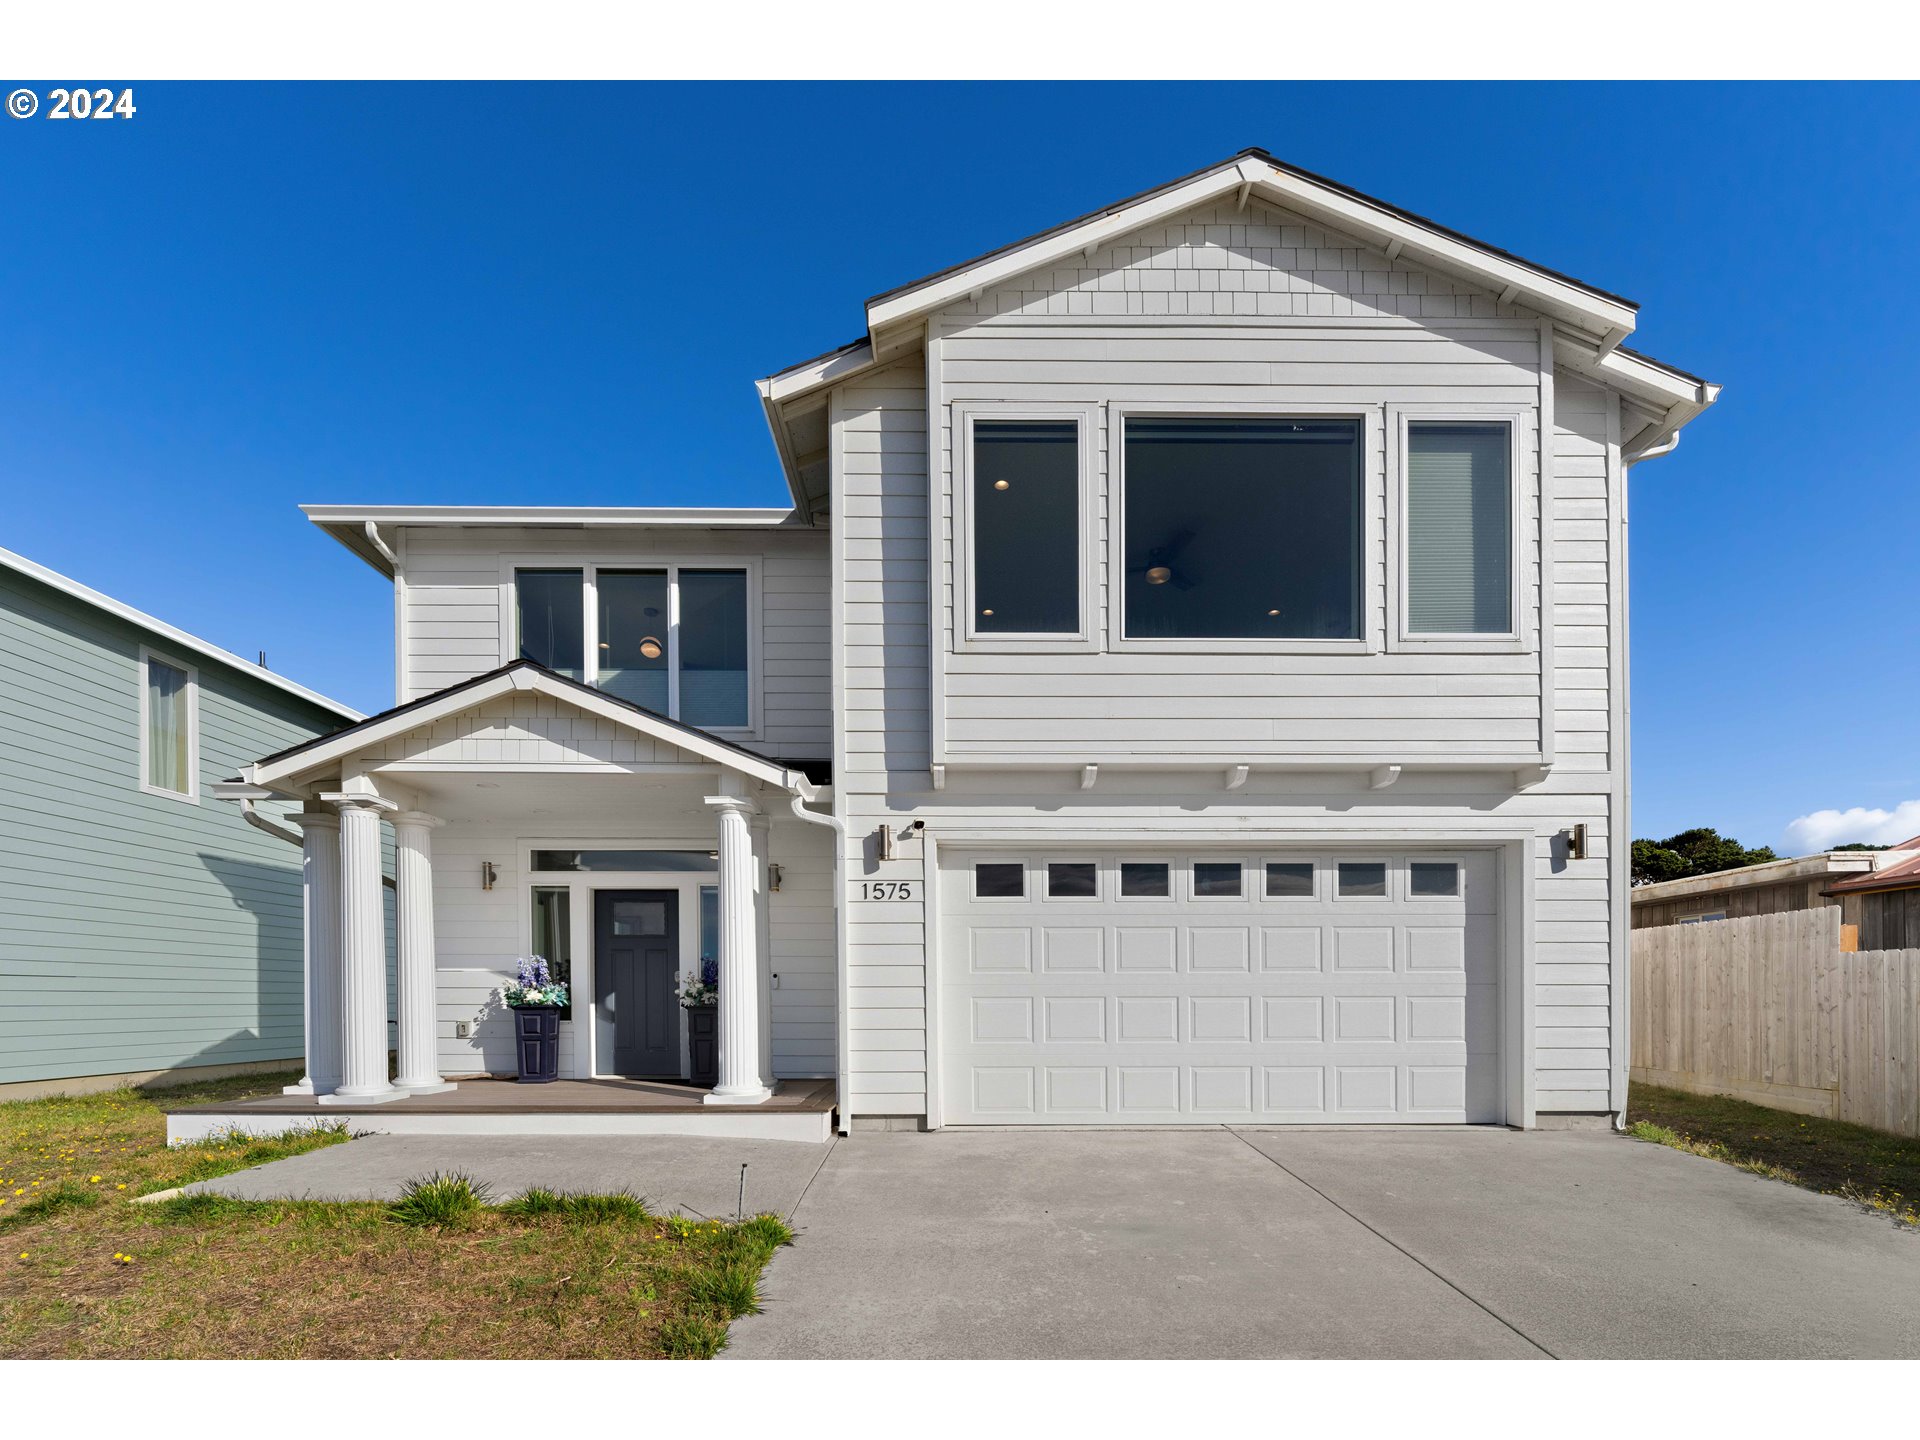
x,y
886,890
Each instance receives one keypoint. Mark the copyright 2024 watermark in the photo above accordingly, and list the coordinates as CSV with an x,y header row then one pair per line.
x,y
73,102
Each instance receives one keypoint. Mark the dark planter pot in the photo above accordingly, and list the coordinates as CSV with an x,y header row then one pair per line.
x,y
703,1044
536,1031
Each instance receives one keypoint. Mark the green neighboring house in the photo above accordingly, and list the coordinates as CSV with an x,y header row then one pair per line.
x,y
147,930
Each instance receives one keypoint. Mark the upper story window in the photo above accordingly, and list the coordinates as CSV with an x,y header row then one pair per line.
x,y
1026,527
1459,528
1242,529
672,638
169,728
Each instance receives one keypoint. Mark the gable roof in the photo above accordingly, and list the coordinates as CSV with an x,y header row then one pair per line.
x,y
1590,322
174,637
521,675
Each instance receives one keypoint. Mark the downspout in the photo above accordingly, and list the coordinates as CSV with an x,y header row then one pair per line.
x,y
260,822
839,827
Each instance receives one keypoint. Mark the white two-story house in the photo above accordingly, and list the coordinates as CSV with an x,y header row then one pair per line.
x,y
1190,686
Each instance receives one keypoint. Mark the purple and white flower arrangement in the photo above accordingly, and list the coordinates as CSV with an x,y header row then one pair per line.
x,y
534,985
699,991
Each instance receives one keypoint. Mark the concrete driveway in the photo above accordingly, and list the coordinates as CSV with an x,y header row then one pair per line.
x,y
1387,1243
1224,1243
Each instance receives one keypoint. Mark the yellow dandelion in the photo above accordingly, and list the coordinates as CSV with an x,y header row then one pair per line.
x,y
119,1187
23,1254
93,1179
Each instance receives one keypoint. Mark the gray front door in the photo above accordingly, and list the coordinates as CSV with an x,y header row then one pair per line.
x,y
636,942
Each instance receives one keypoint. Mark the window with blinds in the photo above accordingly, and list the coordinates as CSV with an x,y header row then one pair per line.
x,y
1459,529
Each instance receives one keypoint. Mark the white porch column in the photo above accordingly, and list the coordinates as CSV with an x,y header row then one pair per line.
x,y
741,1082
417,986
320,899
363,955
762,936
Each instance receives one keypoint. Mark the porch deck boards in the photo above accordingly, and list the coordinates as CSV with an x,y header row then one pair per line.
x,y
490,1096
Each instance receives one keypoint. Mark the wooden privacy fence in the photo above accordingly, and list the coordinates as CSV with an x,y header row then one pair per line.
x,y
1768,1008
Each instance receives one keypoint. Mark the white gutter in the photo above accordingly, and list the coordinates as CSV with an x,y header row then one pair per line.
x,y
842,1078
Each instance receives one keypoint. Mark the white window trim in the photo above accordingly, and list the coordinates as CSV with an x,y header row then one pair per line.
x,y
1454,904
590,621
1702,918
191,795
966,638
1520,639
1368,641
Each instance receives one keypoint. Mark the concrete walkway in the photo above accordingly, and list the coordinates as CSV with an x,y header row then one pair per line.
x,y
1388,1243
673,1174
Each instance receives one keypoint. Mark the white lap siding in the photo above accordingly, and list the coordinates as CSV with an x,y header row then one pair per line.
x,y
1362,332
453,622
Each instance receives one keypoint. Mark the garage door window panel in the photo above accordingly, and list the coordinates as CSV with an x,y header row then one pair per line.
x,y
1368,881
1291,880
1073,880
1000,880
1146,880
1218,880
1435,880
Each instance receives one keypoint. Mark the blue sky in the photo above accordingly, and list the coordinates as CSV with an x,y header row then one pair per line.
x,y
252,296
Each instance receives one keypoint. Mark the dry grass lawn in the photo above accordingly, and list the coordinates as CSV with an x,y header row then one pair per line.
x,y
84,1272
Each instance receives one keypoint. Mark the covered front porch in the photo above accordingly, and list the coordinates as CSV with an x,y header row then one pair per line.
x,y
531,815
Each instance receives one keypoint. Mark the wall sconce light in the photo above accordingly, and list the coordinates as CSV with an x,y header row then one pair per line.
x,y
773,875
488,875
1577,842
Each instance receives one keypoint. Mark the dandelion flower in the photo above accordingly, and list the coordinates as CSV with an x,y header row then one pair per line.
x,y
93,1180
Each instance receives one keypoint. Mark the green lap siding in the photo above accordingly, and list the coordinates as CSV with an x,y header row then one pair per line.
x,y
137,932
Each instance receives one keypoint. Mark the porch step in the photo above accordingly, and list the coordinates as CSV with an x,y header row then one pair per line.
x,y
800,1110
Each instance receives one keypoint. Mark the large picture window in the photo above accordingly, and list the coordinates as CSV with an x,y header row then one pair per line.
x,y
673,639
1026,527
1243,529
1459,528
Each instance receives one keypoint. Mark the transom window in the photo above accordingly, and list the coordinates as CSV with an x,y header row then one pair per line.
x,y
1026,527
1459,528
169,728
1244,528
671,638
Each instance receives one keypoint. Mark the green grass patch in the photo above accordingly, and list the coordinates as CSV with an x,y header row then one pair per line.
x,y
440,1273
444,1200
1869,1167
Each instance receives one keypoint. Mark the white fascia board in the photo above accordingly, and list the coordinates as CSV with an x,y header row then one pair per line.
x,y
811,375
175,637
696,517
323,757
1572,303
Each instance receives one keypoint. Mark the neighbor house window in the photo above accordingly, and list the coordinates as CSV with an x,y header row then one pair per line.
x,y
1459,529
1246,529
169,729
1026,527
674,640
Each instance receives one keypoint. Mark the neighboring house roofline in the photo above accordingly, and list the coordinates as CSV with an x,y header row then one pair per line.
x,y
1768,872
284,766
1898,868
358,527
172,635
1592,322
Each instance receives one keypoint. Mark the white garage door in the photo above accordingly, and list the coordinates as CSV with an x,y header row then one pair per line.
x,y
1194,988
